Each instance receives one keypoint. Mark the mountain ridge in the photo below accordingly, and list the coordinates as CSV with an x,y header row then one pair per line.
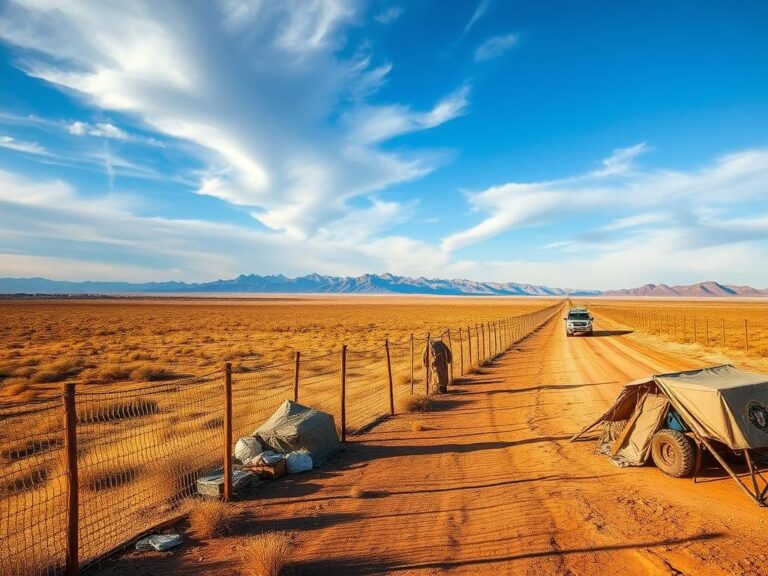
x,y
364,284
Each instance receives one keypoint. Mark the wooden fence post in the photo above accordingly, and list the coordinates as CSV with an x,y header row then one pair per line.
x,y
344,393
450,345
227,432
411,363
296,377
469,342
72,566
391,386
746,336
461,354
482,332
427,368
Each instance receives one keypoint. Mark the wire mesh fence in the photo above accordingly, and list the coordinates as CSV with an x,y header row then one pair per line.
x,y
707,328
131,457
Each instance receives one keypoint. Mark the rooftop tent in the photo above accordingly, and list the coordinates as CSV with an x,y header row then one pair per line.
x,y
723,402
293,427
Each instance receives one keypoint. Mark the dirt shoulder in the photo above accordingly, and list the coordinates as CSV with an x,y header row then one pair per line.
x,y
492,485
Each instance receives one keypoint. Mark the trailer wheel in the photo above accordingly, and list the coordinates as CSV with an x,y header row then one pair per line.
x,y
672,452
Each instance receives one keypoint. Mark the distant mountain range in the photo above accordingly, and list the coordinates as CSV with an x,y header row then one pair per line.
x,y
700,290
365,284
313,283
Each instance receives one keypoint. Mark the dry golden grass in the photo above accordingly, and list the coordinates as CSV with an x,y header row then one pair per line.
x,y
210,518
268,554
417,426
415,403
43,343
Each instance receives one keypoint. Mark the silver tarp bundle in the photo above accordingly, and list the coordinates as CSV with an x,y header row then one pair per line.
x,y
295,427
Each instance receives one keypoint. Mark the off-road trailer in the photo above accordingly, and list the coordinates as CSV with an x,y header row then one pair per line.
x,y
671,417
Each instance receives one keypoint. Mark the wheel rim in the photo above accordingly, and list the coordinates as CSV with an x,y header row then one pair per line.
x,y
668,453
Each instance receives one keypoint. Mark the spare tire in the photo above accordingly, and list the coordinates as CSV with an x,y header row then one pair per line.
x,y
672,452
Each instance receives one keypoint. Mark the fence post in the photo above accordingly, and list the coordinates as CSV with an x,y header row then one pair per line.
x,y
482,332
746,336
411,363
344,393
391,386
450,345
427,374
72,566
296,377
469,342
461,354
227,432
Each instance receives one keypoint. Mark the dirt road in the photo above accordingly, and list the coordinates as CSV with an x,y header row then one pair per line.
x,y
492,486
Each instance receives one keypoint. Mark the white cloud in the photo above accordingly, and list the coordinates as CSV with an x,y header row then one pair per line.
x,y
495,46
21,146
266,101
100,130
480,10
389,14
619,186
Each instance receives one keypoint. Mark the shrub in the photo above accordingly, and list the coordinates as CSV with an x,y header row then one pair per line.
x,y
210,518
107,373
415,403
267,554
417,426
151,373
59,370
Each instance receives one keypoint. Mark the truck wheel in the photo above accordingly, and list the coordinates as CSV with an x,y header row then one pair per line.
x,y
672,452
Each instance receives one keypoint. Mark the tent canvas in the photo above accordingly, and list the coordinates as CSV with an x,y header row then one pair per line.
x,y
294,427
634,445
721,403
724,404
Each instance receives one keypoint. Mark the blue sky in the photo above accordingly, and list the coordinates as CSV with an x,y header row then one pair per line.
x,y
574,144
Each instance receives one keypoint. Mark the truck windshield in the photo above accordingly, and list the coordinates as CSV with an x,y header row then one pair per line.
x,y
578,316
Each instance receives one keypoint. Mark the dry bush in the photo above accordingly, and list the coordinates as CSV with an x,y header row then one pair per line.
x,y
417,426
59,370
404,380
268,554
107,373
415,403
151,373
210,518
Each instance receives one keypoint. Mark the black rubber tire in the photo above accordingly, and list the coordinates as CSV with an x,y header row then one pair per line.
x,y
673,453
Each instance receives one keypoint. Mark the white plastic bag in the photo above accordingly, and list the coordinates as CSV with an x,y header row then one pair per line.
x,y
247,447
298,461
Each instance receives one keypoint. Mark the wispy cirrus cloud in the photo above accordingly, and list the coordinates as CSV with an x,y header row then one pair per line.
x,y
495,46
21,146
264,105
690,200
480,10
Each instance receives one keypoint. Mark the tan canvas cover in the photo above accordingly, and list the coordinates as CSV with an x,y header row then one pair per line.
x,y
634,444
722,403
624,405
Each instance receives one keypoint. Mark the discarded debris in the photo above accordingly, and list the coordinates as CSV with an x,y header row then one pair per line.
x,y
158,542
298,461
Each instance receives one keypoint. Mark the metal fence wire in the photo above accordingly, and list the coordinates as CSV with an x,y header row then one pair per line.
x,y
85,473
708,328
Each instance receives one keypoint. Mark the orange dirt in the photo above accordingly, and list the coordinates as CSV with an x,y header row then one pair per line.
x,y
491,485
